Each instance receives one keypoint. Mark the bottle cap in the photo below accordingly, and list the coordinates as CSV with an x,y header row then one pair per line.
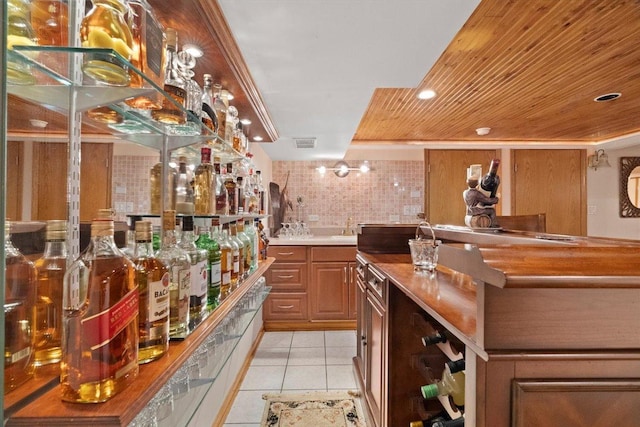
x,y
187,223
169,220
416,424
429,391
56,230
144,231
456,365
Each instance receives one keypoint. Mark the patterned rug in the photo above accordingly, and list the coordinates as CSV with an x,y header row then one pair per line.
x,y
317,409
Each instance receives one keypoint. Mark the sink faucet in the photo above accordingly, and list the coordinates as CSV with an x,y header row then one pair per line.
x,y
348,231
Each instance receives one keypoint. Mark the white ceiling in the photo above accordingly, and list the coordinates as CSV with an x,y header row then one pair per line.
x,y
317,62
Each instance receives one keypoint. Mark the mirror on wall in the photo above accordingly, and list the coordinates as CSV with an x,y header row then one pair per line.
x,y
629,187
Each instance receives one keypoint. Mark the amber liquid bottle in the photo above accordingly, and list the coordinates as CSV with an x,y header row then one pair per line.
x,y
226,263
48,313
152,278
204,185
199,286
157,182
100,326
170,113
20,298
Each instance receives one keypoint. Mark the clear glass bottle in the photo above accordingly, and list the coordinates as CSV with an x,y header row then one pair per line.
x,y
226,262
214,273
19,33
148,54
252,234
157,182
152,278
50,20
261,194
237,137
247,247
221,110
193,101
240,195
179,264
238,256
48,311
222,195
208,115
230,184
100,335
104,26
251,194
184,188
204,188
232,120
172,113
19,303
452,384
199,284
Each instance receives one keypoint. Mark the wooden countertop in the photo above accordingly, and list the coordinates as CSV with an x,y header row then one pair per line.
x,y
315,241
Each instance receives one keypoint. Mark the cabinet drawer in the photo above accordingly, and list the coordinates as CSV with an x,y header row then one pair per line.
x,y
287,276
283,306
333,253
288,253
377,284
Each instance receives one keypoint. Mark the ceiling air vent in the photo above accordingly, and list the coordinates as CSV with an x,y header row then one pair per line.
x,y
305,142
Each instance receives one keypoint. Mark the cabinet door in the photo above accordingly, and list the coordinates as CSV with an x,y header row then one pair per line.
x,y
353,304
375,364
361,326
329,291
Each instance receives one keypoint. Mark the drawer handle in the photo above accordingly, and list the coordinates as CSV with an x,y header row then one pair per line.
x,y
285,306
285,277
285,253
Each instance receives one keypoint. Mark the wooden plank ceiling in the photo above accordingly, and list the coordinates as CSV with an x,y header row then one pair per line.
x,y
530,71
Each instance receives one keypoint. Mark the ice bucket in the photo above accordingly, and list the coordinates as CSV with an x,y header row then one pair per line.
x,y
424,252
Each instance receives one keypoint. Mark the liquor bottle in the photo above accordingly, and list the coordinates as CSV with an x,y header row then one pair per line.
x,y
437,337
19,33
491,180
237,275
264,240
152,278
19,302
439,421
48,311
105,26
252,194
130,248
221,110
179,264
226,263
148,54
237,137
261,193
100,326
50,20
230,184
452,384
157,183
204,188
222,195
193,101
232,120
199,280
247,245
184,188
214,273
458,422
209,118
240,195
172,111
252,234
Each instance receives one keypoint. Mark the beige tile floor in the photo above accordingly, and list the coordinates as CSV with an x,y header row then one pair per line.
x,y
293,361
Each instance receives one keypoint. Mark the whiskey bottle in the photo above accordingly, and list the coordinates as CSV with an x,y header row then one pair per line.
x,y
100,326
247,246
179,264
152,278
148,54
184,188
222,195
193,101
157,183
238,256
19,302
50,20
230,184
48,311
214,273
209,118
221,110
226,262
172,111
199,286
204,188
240,195
251,232
261,193
104,26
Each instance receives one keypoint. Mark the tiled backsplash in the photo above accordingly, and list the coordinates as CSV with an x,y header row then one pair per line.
x,y
392,191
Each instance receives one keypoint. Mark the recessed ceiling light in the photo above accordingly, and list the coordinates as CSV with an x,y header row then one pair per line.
x,y
427,94
483,131
607,97
193,50
38,123
257,138
245,122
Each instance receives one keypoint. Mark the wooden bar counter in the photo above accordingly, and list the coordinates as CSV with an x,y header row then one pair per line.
x,y
549,327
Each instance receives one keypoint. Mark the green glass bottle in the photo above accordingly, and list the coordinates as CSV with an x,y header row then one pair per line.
x,y
214,271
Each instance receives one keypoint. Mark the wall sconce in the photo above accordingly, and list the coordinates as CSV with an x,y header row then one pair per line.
x,y
599,159
342,168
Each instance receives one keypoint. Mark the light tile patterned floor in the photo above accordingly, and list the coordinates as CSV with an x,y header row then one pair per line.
x,y
300,361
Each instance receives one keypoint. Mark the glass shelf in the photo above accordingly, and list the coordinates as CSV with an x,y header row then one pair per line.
x,y
54,88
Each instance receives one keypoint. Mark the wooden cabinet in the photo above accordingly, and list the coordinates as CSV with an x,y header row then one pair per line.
x,y
313,287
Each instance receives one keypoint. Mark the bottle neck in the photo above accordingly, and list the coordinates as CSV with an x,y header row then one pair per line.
x,y
55,249
169,238
143,249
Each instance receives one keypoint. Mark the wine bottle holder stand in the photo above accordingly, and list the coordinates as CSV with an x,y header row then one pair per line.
x,y
186,389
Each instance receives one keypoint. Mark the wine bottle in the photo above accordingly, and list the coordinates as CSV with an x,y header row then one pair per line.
x,y
451,384
429,422
458,422
455,365
437,337
491,180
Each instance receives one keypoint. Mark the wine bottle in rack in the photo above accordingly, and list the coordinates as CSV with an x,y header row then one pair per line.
x,y
437,337
452,384
458,422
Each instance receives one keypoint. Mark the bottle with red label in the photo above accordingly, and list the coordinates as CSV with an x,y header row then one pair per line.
x,y
100,320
